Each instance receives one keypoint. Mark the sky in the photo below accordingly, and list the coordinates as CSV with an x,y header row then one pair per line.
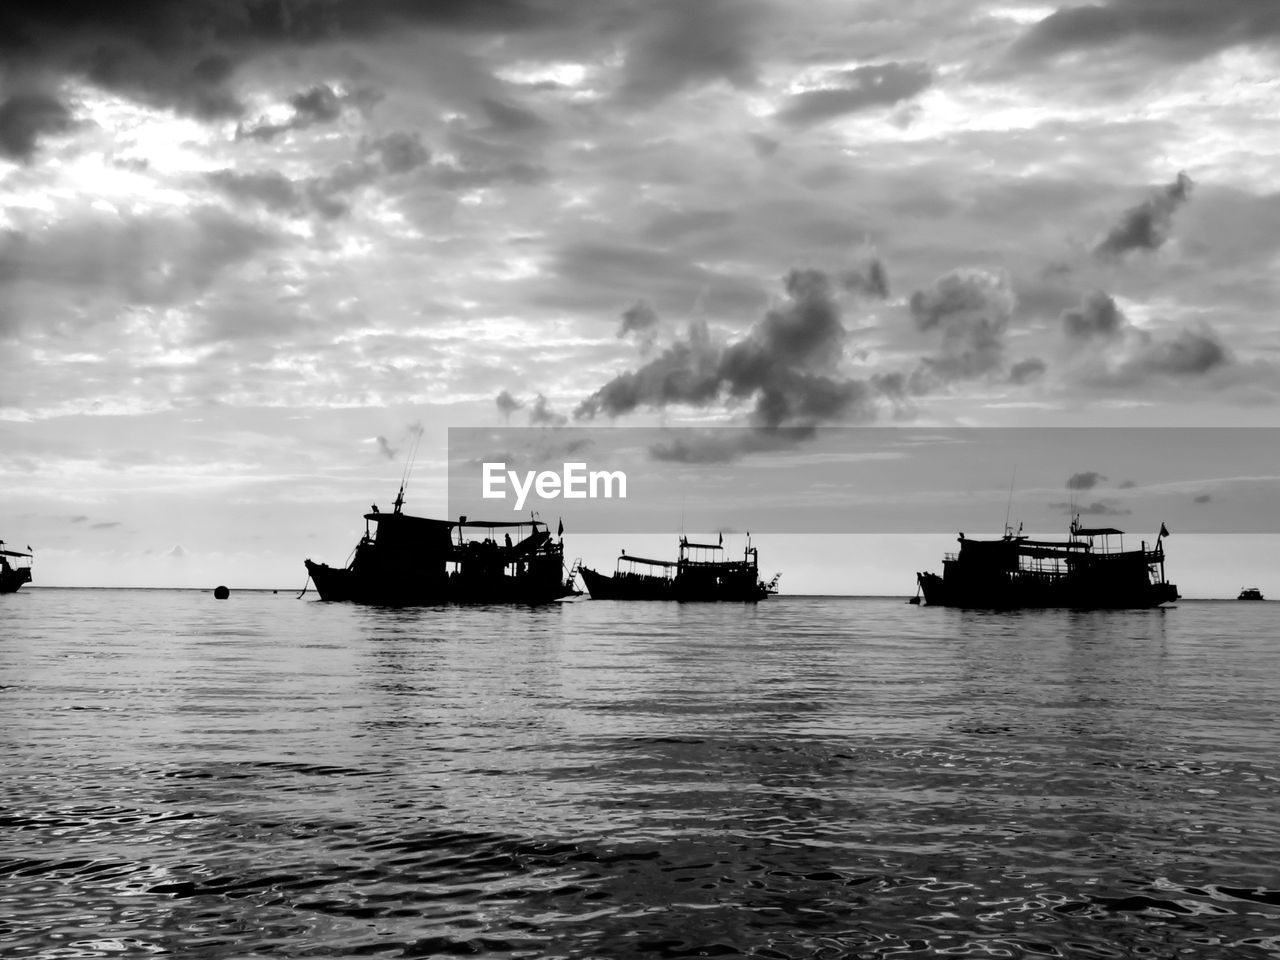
x,y
249,249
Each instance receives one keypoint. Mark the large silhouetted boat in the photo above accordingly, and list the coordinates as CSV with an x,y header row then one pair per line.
x,y
14,574
416,560
701,572
1083,572
1250,593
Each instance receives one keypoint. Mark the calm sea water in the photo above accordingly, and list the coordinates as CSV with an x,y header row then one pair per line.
x,y
273,777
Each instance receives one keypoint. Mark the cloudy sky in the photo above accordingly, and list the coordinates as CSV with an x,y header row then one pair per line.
x,y
246,246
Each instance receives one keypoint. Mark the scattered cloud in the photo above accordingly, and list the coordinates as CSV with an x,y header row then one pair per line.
x,y
319,104
1098,316
688,45
640,320
1147,225
1167,30
787,363
541,414
1086,480
507,404
25,118
970,309
855,90
1099,508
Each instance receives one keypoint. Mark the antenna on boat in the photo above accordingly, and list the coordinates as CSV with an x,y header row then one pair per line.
x,y
1009,509
408,467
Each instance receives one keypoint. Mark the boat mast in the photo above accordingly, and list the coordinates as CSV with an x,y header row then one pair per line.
x,y
408,467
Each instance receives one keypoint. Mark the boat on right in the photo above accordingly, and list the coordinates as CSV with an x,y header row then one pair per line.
x,y
1251,593
1090,570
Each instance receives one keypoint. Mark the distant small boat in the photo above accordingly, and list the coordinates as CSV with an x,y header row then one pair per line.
x,y
1082,572
1250,593
14,575
699,573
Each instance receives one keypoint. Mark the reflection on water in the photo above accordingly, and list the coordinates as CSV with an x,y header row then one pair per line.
x,y
810,777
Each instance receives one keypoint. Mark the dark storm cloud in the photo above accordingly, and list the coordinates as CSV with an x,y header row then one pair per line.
x,y
1098,316
1147,225
862,88
971,310
683,45
1084,481
25,117
507,404
385,448
184,55
320,104
1174,30
787,363
1202,498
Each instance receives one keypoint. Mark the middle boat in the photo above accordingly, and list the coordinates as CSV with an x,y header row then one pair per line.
x,y
418,560
1084,572
701,572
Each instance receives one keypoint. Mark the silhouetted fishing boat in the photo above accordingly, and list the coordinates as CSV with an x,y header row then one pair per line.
x,y
1082,572
14,575
416,560
699,573
1250,593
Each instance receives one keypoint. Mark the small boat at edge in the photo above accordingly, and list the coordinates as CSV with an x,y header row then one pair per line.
x,y
14,575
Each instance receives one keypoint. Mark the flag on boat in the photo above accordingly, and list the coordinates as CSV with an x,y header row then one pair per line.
x,y
1164,531
560,531
722,538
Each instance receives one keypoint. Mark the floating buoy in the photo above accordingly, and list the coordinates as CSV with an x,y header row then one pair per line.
x,y
221,593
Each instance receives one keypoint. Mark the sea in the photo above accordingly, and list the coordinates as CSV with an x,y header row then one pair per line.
x,y
269,776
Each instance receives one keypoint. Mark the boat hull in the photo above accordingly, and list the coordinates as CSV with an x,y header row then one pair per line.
x,y
1015,594
601,586
680,587
388,589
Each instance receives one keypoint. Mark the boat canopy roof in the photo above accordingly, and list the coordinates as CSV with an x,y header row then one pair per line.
x,y
1097,532
704,546
13,553
463,522
1059,544
652,563
497,524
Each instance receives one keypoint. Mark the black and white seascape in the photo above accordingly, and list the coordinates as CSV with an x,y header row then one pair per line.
x,y
807,289
806,777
